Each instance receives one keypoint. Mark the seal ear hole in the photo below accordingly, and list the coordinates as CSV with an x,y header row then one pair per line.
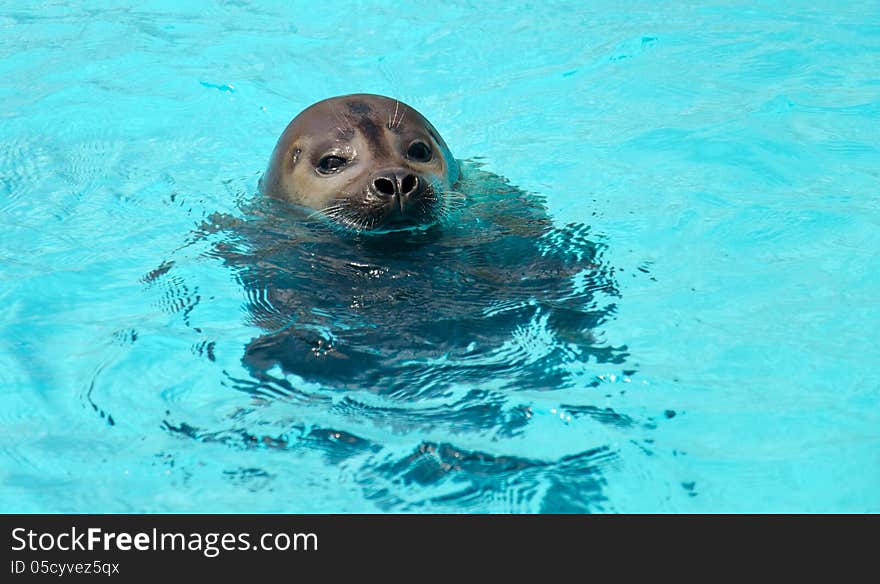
x,y
419,151
331,164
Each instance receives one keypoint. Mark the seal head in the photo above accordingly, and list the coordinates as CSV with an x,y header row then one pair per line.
x,y
366,162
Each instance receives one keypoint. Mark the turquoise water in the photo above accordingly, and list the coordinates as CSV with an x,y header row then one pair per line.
x,y
719,160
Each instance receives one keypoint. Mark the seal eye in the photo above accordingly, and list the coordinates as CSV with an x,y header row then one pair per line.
x,y
331,164
419,151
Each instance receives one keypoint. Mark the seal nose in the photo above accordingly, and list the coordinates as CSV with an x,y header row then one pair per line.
x,y
408,185
396,183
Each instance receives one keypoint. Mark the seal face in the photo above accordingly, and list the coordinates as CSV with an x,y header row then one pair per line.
x,y
366,162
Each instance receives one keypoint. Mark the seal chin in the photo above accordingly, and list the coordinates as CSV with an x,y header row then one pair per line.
x,y
369,212
358,215
397,221
406,213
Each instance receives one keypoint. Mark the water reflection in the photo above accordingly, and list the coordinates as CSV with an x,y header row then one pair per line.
x,y
444,326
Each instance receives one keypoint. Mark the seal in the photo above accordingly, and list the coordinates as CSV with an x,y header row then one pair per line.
x,y
366,162
358,311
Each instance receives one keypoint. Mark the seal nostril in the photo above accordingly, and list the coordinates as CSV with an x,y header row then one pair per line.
x,y
409,184
384,186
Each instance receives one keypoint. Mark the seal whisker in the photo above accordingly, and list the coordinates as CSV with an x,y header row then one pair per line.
x,y
392,122
345,125
338,206
328,211
450,201
454,195
362,223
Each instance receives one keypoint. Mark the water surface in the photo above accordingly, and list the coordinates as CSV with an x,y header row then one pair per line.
x,y
701,333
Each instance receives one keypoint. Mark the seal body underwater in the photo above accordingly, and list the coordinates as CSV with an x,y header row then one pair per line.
x,y
364,161
343,293
373,260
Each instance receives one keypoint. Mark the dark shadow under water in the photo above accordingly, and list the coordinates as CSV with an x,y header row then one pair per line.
x,y
494,300
411,312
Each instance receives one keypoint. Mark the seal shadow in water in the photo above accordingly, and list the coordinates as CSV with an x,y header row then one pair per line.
x,y
495,292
